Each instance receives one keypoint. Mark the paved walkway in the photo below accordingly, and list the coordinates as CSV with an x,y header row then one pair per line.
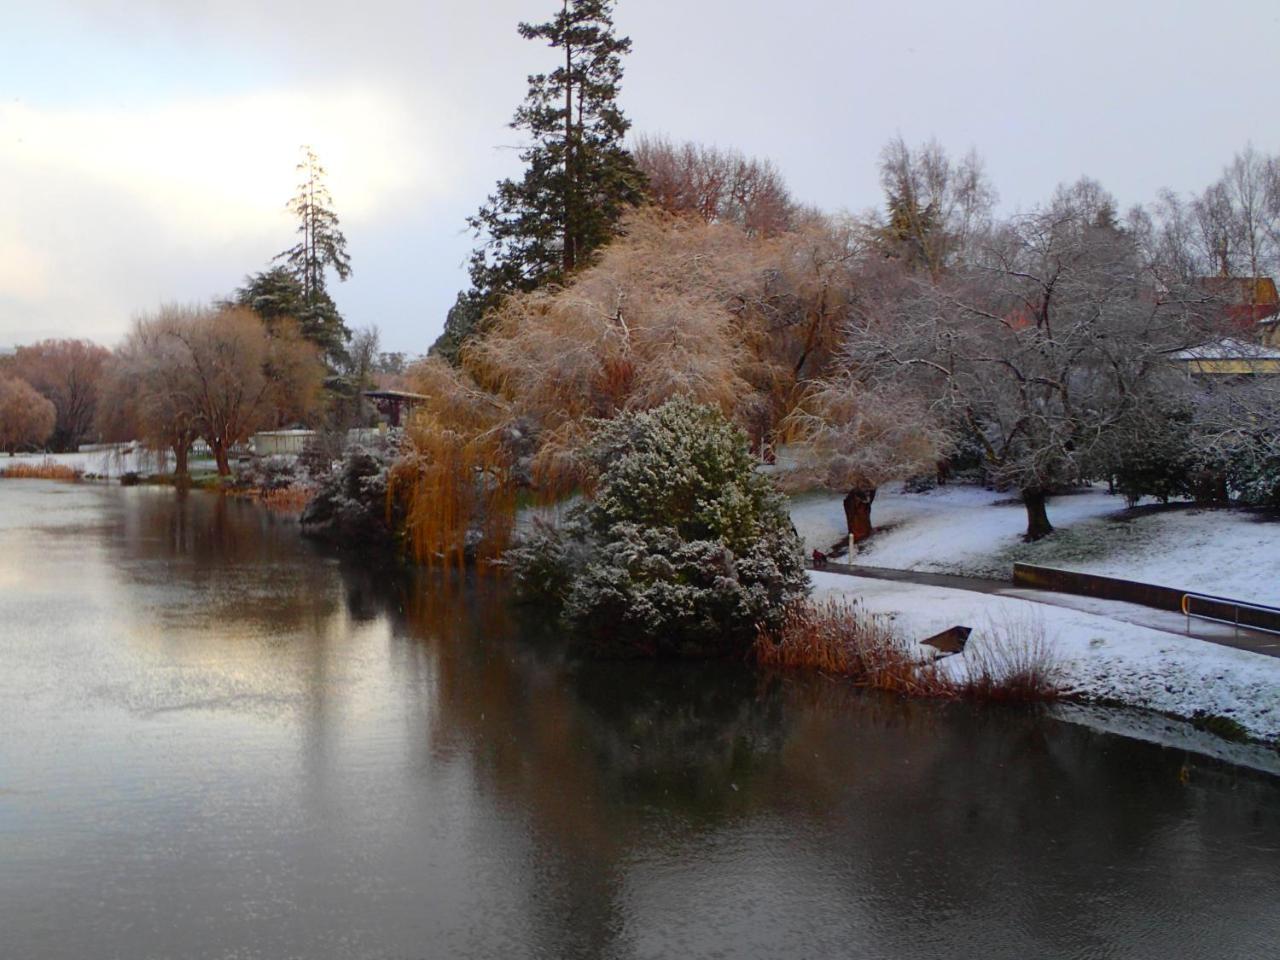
x,y
1165,621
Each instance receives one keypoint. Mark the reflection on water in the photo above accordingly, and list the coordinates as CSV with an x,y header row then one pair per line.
x,y
216,741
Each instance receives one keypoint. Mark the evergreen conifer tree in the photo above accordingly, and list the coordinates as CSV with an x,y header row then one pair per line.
x,y
578,180
321,245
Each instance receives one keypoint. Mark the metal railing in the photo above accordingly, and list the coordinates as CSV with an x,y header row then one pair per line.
x,y
1234,606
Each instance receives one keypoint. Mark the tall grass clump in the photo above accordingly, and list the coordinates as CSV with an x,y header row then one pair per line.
x,y
1012,660
835,637
44,470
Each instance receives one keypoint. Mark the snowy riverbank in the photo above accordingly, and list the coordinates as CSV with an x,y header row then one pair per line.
x,y
108,462
1101,659
977,532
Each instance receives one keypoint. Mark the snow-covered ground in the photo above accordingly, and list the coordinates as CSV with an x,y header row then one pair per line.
x,y
1100,658
973,531
1232,553
953,529
102,463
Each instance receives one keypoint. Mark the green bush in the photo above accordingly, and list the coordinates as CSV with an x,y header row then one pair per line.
x,y
684,550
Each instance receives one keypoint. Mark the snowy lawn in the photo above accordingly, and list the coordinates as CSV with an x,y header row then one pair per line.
x,y
1228,552
953,529
973,531
1101,659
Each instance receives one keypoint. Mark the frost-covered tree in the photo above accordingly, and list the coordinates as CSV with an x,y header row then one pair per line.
x,y
1043,350
936,207
716,185
853,437
683,549
674,306
1236,440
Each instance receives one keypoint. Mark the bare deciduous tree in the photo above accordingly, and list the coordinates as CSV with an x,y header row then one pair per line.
x,y
26,418
1041,351
1231,229
217,374
937,208
716,185
144,394
66,372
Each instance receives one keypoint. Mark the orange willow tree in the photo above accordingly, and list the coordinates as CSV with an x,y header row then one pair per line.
x,y
457,469
676,307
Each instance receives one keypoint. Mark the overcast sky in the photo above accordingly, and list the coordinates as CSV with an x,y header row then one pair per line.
x,y
147,146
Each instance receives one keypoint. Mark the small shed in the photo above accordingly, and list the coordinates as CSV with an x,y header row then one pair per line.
x,y
394,404
1231,358
281,443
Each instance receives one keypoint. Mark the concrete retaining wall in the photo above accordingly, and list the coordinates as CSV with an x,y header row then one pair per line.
x,y
1145,594
1091,585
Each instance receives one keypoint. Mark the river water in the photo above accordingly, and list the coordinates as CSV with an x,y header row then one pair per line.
x,y
218,741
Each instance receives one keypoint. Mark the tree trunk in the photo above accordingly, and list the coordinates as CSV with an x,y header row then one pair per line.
x,y
569,254
180,452
857,512
220,457
1038,525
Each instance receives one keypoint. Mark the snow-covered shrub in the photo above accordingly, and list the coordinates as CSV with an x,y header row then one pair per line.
x,y
1255,477
920,483
267,474
322,452
351,506
547,559
684,549
1162,464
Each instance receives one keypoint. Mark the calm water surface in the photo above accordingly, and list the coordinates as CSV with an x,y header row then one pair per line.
x,y
217,741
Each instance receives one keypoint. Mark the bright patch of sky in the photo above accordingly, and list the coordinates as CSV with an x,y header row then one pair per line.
x,y
147,146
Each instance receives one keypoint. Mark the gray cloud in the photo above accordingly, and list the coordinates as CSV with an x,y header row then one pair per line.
x,y
1140,95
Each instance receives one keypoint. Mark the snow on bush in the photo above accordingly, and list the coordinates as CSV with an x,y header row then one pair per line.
x,y
350,506
267,474
683,550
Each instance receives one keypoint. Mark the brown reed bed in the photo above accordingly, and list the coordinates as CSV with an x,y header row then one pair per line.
x,y
290,499
835,637
44,470
1008,662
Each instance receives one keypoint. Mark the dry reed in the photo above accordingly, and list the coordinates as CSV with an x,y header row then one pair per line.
x,y
1011,660
44,470
835,637
290,499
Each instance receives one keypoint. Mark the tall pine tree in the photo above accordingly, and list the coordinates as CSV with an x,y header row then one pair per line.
x,y
579,179
321,245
